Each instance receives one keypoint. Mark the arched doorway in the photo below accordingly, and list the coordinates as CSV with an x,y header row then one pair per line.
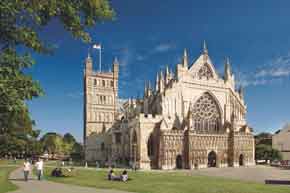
x,y
178,162
212,158
241,160
150,146
150,150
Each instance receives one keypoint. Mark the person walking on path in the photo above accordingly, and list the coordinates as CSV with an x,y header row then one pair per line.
x,y
26,169
39,168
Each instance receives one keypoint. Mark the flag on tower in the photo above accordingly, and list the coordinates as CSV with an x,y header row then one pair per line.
x,y
97,46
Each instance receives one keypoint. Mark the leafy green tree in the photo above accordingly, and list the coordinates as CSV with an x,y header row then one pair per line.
x,y
56,144
20,24
69,138
263,138
53,143
266,152
77,152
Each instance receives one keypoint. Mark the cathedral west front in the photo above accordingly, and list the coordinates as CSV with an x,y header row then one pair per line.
x,y
189,118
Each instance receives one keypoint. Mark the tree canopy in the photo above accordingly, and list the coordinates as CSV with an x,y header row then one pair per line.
x,y
21,22
264,150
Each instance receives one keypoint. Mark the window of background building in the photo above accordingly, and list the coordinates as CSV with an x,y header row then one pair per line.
x,y
104,83
112,83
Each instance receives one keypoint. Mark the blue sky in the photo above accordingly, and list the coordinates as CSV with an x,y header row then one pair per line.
x,y
148,35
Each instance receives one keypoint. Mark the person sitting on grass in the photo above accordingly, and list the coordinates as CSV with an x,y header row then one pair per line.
x,y
111,175
124,176
56,172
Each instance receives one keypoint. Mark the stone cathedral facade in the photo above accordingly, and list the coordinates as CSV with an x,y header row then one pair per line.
x,y
192,118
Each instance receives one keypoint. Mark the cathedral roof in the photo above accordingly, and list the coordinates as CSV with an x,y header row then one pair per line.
x,y
203,60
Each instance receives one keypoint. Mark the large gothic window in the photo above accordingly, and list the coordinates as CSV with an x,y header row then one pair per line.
x,y
205,71
206,115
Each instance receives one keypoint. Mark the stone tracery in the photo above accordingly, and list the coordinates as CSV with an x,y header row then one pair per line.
x,y
205,71
206,114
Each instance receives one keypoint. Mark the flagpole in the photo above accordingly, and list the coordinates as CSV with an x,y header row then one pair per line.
x,y
100,59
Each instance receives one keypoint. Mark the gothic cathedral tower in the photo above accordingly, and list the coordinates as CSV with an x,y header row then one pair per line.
x,y
100,98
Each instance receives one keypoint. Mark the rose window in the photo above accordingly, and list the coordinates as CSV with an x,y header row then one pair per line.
x,y
206,114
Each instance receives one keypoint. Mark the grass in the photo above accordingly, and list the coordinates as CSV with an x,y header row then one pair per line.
x,y
10,162
166,182
5,169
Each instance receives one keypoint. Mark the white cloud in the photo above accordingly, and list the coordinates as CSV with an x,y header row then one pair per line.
x,y
273,71
278,67
140,57
163,47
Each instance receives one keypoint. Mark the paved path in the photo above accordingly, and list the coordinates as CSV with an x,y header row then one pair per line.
x,y
35,186
257,173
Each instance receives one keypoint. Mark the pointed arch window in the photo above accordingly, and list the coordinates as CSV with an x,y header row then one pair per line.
x,y
206,115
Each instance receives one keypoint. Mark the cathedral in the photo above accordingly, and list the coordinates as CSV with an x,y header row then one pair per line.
x,y
191,118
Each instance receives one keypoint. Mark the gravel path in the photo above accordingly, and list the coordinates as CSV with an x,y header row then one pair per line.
x,y
257,173
35,186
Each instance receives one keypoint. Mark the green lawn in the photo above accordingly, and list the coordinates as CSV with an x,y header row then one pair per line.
x,y
166,182
7,166
10,162
5,185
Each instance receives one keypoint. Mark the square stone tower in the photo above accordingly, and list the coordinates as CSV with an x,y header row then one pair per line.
x,y
100,98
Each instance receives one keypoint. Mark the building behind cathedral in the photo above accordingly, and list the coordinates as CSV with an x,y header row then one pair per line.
x,y
192,118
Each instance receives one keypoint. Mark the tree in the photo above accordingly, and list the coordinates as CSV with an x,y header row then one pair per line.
x,y
20,23
263,138
56,144
77,152
69,138
266,152
53,143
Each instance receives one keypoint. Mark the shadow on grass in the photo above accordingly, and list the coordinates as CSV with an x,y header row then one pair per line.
x,y
20,179
278,182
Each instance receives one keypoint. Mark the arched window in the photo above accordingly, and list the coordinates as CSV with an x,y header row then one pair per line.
x,y
206,114
108,117
103,147
105,101
134,137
